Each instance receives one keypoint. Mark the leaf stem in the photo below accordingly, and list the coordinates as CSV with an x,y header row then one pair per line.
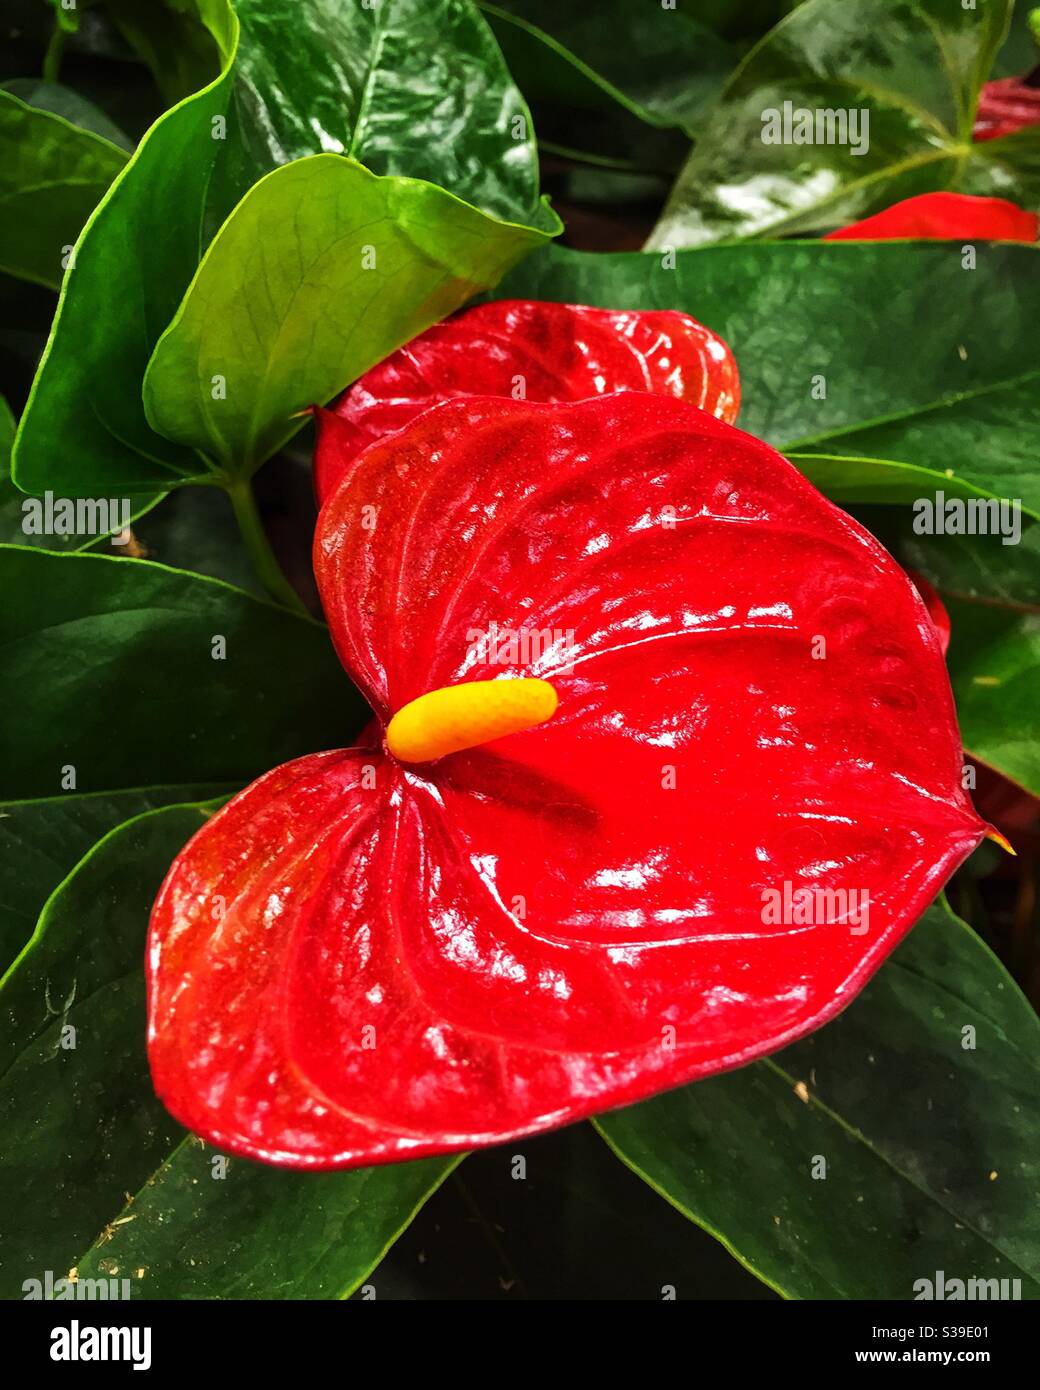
x,y
53,54
268,570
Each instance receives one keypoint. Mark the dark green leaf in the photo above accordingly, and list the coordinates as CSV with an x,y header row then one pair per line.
x,y
119,658
66,102
661,65
256,1232
322,270
979,568
84,1128
994,661
52,175
913,67
81,1122
41,841
926,1130
132,263
171,37
930,370
412,87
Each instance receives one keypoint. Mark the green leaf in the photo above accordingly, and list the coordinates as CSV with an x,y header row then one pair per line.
x,y
994,661
171,37
930,370
84,1128
52,175
143,245
120,658
661,66
82,1124
66,102
131,264
321,271
914,68
928,1141
257,1232
41,841
978,569
411,87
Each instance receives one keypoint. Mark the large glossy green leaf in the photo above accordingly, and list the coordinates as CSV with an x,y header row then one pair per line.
x,y
885,371
83,1128
917,1106
52,175
321,271
129,689
994,661
42,840
412,87
131,264
913,66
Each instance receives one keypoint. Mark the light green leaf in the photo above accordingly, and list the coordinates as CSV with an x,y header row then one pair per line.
x,y
320,272
885,371
52,175
919,1100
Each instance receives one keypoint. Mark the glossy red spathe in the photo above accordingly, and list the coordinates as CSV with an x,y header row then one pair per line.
x,y
537,351
752,701
944,217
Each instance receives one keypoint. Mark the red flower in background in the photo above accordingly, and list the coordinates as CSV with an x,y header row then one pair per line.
x,y
544,352
1007,105
411,957
943,217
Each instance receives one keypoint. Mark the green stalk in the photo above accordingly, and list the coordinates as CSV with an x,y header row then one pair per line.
x,y
267,567
53,54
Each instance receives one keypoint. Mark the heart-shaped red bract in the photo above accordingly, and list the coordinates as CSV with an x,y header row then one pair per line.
x,y
358,961
944,217
538,352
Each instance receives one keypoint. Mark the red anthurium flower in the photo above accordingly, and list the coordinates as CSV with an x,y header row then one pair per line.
x,y
542,352
683,769
1007,105
944,217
